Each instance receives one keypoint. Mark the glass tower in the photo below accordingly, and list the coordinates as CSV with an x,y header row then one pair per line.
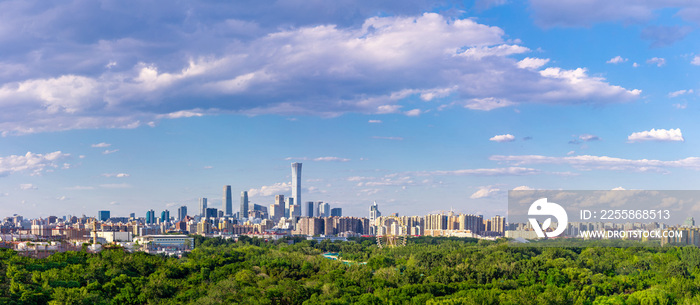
x,y
244,205
296,182
228,204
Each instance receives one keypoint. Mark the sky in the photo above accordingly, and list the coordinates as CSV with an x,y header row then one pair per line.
x,y
421,106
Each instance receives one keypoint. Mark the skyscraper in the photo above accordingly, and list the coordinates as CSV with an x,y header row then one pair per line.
x,y
244,205
181,213
227,202
325,209
165,216
202,207
309,209
150,216
296,182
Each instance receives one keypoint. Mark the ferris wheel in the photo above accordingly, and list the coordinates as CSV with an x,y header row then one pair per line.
x,y
394,234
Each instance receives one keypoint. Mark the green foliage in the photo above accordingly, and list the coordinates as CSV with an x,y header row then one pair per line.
x,y
292,271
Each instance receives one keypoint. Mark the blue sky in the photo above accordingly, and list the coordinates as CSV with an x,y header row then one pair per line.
x,y
420,105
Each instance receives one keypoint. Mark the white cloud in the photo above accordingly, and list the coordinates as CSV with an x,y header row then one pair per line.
x,y
506,171
107,152
588,137
619,188
62,198
333,159
32,163
276,70
503,138
696,60
28,186
485,191
532,63
375,121
101,145
523,188
414,112
657,135
680,106
588,162
616,60
487,104
208,167
680,92
116,175
658,61
269,190
635,65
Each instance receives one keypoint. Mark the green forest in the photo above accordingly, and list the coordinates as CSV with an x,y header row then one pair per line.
x,y
293,271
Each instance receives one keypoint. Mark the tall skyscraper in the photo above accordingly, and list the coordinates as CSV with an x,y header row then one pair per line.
x,y
309,209
150,216
288,203
244,205
227,202
203,207
296,182
325,209
165,216
181,213
318,209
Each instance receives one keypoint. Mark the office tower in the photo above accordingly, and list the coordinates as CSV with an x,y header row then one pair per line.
x,y
295,210
317,209
102,215
374,213
276,211
132,216
288,203
221,213
296,182
203,207
150,217
309,209
325,209
279,199
337,212
181,213
165,216
227,203
244,205
211,213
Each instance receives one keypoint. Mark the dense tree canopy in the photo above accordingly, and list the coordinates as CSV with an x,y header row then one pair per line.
x,y
293,271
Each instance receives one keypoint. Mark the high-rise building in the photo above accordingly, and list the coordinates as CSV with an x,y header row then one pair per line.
x,y
227,201
181,213
317,209
296,182
244,205
325,209
150,217
132,216
102,215
203,207
309,209
211,213
337,212
295,210
288,203
374,213
165,216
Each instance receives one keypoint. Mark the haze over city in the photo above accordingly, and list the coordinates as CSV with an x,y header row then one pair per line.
x,y
418,106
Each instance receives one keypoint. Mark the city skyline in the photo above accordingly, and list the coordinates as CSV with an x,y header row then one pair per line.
x,y
420,106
